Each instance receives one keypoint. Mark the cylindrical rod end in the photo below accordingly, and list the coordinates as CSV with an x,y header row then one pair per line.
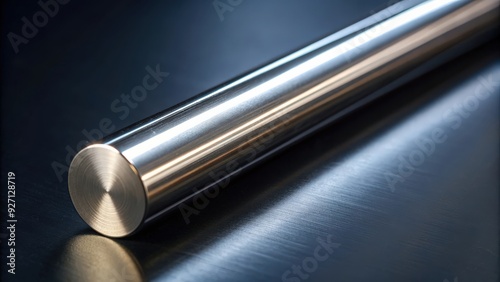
x,y
107,191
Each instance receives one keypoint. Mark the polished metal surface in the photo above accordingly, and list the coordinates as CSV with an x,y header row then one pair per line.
x,y
438,223
140,173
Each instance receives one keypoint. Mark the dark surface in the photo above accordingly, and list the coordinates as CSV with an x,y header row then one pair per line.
x,y
439,222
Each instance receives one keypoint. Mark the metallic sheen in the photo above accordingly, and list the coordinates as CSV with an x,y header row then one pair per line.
x,y
139,173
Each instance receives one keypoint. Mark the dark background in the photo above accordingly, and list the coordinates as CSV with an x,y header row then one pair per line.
x,y
439,224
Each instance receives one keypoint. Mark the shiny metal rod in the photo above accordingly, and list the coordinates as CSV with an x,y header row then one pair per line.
x,y
143,171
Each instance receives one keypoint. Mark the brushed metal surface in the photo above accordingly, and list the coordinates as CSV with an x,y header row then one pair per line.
x,y
174,155
439,223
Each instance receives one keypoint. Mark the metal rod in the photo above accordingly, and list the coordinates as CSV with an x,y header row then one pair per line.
x,y
147,169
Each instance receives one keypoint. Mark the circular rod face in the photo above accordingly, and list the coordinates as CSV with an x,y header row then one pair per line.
x,y
136,175
114,197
